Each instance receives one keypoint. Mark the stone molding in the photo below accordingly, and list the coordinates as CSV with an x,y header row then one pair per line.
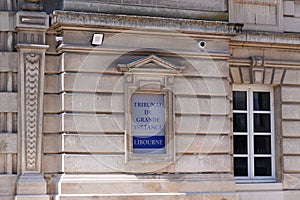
x,y
32,5
257,70
91,19
150,59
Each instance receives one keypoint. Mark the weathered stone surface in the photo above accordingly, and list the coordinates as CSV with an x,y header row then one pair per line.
x,y
216,9
290,128
53,143
292,77
290,94
8,102
52,123
7,183
291,195
202,86
162,196
106,103
94,123
93,83
291,164
202,124
9,61
291,146
291,111
8,143
7,21
52,103
142,185
94,143
52,64
52,163
53,84
291,181
208,106
116,163
202,144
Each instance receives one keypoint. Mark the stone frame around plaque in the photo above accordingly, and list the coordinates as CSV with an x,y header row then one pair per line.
x,y
149,76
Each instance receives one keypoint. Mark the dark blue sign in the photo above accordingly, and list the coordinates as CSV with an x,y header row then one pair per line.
x,y
153,142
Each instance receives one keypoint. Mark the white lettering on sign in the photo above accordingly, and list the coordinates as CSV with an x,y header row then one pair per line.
x,y
148,120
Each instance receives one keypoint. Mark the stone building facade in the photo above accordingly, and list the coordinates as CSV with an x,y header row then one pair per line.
x,y
148,99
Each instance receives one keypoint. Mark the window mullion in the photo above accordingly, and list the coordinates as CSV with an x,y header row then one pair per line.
x,y
250,133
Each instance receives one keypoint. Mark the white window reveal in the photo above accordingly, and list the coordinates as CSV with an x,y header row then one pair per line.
x,y
253,133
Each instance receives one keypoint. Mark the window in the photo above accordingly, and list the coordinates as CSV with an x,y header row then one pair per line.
x,y
253,133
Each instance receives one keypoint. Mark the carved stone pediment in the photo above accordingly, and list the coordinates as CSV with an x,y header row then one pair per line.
x,y
152,64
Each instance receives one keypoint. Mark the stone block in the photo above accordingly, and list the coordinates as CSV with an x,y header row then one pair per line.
x,y
52,64
291,146
52,143
31,184
268,76
288,8
290,128
96,143
291,24
290,94
116,163
278,76
292,77
291,181
52,123
202,124
291,164
94,103
274,195
291,111
52,163
95,123
7,22
204,163
291,195
52,103
9,61
94,83
7,183
201,86
236,75
8,102
52,84
206,106
8,143
201,144
140,185
245,71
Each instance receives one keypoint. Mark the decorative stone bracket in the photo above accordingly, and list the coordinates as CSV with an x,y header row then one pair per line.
x,y
256,70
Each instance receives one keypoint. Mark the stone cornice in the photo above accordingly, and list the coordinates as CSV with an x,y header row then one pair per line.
x,y
131,22
269,63
266,40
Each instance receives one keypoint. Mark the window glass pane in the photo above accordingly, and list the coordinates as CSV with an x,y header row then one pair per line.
x,y
262,144
240,144
239,122
262,123
239,100
262,167
261,101
241,166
